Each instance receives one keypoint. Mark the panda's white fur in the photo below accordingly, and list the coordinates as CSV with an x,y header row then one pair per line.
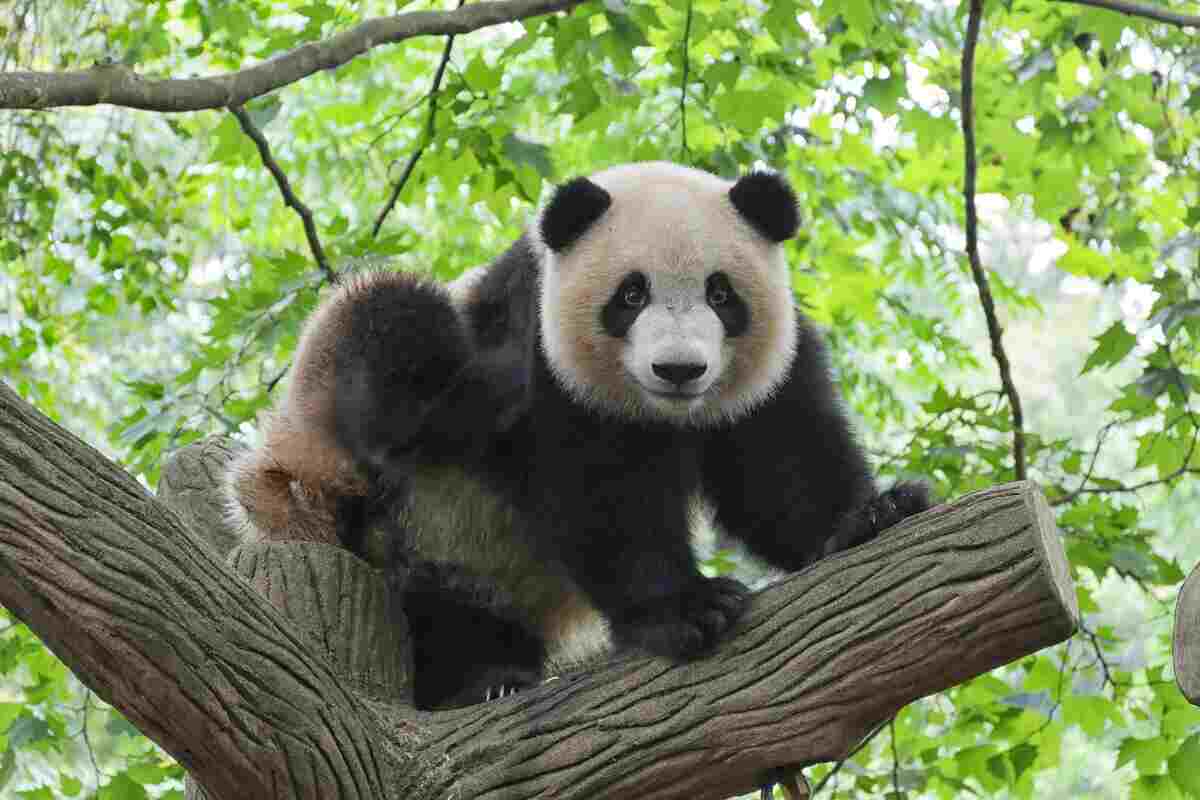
x,y
677,225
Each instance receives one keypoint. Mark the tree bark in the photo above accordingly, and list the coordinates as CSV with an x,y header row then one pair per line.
x,y
1187,638
251,694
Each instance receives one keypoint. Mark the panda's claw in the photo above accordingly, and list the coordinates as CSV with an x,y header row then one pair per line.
x,y
499,692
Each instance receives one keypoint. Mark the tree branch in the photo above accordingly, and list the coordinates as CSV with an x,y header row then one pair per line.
x,y
139,609
430,129
683,84
1186,641
974,19
121,86
278,694
285,188
1138,10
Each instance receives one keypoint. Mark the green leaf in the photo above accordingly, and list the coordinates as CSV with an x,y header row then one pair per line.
x,y
1022,757
1090,713
1068,68
859,15
122,787
27,730
1111,347
750,110
884,93
1184,766
264,109
230,145
1148,754
526,153
1154,787
480,77
1083,260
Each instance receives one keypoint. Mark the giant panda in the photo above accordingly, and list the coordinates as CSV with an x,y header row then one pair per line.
x,y
540,434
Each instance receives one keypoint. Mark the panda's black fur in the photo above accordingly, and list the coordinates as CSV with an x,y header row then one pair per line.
x,y
401,385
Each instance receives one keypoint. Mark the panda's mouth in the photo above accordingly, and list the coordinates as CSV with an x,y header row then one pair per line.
x,y
674,396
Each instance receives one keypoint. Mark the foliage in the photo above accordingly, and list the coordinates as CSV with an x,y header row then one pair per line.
x,y
153,283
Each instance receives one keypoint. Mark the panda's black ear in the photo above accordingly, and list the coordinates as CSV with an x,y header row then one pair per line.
x,y
767,203
572,209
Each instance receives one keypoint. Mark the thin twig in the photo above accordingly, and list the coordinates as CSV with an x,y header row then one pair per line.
x,y
683,84
1100,659
271,384
285,188
895,759
1178,472
397,118
1087,476
430,129
1137,10
119,85
87,741
974,18
838,766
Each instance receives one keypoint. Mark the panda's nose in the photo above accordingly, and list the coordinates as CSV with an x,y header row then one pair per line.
x,y
679,374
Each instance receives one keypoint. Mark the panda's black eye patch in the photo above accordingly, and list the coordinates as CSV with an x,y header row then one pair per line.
x,y
730,308
718,289
630,297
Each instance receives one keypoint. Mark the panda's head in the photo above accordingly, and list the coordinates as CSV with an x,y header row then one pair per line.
x,y
665,293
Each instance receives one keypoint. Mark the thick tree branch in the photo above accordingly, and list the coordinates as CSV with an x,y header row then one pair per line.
x,y
430,130
1187,638
240,686
1139,10
121,86
285,188
144,615
974,19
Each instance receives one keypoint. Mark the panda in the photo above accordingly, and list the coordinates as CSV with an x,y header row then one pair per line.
x,y
537,437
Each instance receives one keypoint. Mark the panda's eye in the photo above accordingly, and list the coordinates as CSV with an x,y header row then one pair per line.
x,y
633,291
718,290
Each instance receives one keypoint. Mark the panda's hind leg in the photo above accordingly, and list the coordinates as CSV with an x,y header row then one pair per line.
x,y
410,382
468,643
397,349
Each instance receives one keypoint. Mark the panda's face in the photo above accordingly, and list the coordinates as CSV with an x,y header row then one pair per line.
x,y
669,304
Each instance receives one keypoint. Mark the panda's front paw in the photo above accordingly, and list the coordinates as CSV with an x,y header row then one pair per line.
x,y
897,503
686,624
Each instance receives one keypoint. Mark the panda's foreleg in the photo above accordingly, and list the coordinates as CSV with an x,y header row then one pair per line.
x,y
791,480
468,643
626,544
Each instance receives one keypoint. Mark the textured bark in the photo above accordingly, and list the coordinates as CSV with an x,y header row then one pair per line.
x,y
119,85
143,612
189,483
1187,638
253,704
341,604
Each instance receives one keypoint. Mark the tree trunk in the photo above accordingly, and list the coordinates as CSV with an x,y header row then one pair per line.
x,y
295,690
1187,638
